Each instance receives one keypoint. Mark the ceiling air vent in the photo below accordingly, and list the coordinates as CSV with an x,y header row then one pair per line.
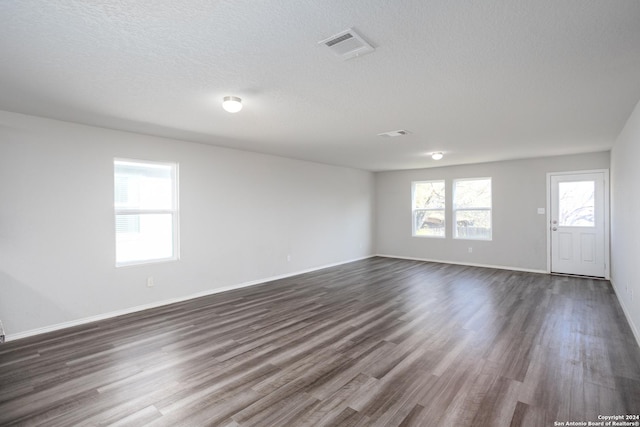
x,y
391,133
347,44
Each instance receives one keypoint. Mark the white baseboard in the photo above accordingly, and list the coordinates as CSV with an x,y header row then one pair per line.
x,y
440,261
634,329
111,314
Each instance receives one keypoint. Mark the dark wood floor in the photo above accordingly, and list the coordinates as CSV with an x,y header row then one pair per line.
x,y
377,342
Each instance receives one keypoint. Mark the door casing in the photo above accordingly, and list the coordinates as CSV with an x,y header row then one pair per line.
x,y
607,226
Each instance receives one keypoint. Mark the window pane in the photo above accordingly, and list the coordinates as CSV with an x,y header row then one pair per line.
x,y
429,223
472,193
473,224
143,186
428,195
576,201
144,237
127,224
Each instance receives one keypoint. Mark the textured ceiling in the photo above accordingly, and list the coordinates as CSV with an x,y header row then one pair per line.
x,y
479,80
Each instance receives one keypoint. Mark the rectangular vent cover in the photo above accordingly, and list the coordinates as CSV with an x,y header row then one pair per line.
x,y
392,133
347,44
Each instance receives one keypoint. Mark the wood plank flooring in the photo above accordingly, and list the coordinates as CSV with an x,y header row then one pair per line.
x,y
378,342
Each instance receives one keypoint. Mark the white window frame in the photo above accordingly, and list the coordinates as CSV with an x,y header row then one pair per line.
x,y
454,210
415,210
174,212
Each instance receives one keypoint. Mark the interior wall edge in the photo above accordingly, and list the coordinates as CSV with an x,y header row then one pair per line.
x,y
441,261
636,332
112,314
627,313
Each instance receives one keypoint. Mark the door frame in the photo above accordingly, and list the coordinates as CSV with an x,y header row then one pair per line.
x,y
607,225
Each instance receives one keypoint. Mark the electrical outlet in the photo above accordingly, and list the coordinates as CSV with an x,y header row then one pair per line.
x,y
470,249
288,258
150,283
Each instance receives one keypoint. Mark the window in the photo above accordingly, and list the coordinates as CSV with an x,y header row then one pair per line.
x,y
576,204
428,198
472,208
146,211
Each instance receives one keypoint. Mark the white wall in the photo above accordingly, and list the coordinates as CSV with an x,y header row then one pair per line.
x,y
241,214
625,219
519,232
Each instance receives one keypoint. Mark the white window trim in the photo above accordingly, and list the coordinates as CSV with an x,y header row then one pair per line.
x,y
414,209
175,213
454,210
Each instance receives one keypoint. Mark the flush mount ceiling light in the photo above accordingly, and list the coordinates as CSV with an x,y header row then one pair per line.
x,y
437,156
232,104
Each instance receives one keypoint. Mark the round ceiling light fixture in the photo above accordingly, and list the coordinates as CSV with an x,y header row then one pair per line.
x,y
232,104
437,156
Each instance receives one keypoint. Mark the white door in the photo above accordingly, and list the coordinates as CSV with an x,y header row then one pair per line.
x,y
578,224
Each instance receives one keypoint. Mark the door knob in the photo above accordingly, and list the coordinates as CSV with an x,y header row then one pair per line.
x,y
555,228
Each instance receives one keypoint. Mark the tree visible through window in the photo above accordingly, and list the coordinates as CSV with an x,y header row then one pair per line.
x,y
428,199
472,208
146,211
576,204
